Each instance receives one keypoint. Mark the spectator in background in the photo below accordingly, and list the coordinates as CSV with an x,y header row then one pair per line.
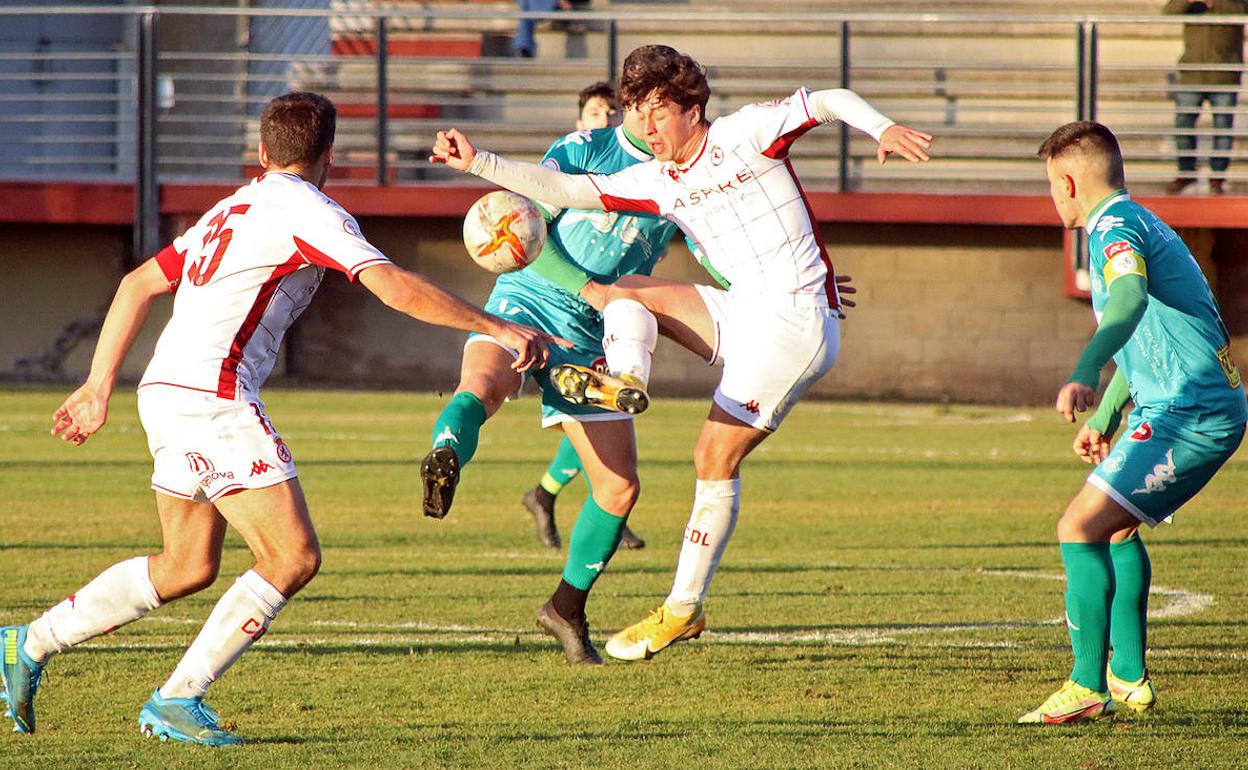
x,y
1206,44
523,43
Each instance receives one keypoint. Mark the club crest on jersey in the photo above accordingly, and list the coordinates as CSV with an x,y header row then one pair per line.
x,y
283,451
1143,433
717,156
1160,477
351,227
1117,247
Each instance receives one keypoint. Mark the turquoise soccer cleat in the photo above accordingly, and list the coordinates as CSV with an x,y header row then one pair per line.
x,y
184,719
21,679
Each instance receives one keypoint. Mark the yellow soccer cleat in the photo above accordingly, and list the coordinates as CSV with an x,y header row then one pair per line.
x,y
1071,703
1137,696
583,385
662,628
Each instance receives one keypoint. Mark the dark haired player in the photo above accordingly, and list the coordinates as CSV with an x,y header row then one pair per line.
x,y
729,185
1159,322
241,276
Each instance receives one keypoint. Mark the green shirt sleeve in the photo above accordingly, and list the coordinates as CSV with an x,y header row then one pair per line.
x,y
1109,414
1128,299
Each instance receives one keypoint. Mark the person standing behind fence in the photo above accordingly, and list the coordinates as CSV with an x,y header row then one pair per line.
x,y
1206,44
524,43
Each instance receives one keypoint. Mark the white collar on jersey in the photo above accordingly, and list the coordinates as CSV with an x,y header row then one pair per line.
x,y
1120,195
628,146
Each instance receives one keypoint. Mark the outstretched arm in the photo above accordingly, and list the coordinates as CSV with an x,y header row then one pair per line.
x,y
424,300
86,409
569,191
848,107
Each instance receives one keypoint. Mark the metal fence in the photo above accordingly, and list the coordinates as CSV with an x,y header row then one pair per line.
x,y
159,94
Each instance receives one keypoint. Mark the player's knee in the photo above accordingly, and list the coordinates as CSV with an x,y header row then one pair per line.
x,y
488,390
304,565
712,460
619,495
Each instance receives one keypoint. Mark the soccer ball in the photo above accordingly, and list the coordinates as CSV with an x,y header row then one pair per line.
x,y
504,231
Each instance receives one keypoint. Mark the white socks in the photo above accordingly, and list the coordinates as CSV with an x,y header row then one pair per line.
x,y
714,517
119,595
240,618
630,333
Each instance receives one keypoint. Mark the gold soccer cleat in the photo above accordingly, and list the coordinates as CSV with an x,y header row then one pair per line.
x,y
1136,696
661,629
583,385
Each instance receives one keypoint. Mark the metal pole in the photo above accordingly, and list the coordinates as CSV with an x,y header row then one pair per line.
x,y
1093,50
1086,62
842,161
613,51
146,182
383,105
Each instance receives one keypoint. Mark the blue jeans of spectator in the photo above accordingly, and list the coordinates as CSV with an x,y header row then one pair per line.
x,y
1187,105
523,41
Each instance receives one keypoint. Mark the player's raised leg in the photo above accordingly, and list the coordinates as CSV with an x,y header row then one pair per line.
x,y
1084,532
608,450
486,379
635,308
121,594
275,524
723,444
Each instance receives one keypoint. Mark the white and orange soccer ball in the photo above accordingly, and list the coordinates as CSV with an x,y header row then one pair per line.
x,y
504,231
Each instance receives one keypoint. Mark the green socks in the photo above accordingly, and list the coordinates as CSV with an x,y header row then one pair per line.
x,y
1128,618
459,425
593,541
1089,593
564,466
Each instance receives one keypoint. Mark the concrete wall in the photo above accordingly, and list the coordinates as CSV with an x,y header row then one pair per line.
x,y
963,314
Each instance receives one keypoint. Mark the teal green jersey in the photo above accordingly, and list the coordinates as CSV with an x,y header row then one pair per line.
x,y
1179,356
606,245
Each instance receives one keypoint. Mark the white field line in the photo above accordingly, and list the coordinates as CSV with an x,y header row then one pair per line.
x,y
1177,603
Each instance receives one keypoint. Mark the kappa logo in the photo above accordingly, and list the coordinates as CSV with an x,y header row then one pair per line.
x,y
1070,625
1142,433
751,406
445,435
199,464
597,566
1105,224
1159,478
260,467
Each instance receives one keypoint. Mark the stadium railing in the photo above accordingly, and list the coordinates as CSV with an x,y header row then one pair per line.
x,y
171,94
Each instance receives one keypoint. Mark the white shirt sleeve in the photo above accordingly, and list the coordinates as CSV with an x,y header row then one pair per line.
x,y
539,183
333,240
772,127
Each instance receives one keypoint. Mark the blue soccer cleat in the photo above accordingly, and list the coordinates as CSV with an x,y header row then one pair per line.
x,y
21,679
184,719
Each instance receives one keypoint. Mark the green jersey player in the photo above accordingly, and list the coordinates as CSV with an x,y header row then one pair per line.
x,y
597,109
605,246
1159,322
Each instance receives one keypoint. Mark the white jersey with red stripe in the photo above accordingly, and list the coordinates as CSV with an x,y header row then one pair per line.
x,y
242,274
740,203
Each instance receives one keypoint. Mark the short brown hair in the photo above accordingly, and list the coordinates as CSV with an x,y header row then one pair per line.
x,y
298,127
600,90
1091,138
662,71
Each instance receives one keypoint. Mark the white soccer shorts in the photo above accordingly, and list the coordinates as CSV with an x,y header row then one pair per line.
x,y
205,447
772,351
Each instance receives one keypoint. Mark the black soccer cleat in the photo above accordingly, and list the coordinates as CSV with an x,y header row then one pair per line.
x,y
630,541
439,475
543,519
573,635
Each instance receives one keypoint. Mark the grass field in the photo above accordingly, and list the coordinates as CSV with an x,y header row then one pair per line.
x,y
891,599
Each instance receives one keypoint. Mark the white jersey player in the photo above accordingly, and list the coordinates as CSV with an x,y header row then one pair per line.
x,y
241,275
730,187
